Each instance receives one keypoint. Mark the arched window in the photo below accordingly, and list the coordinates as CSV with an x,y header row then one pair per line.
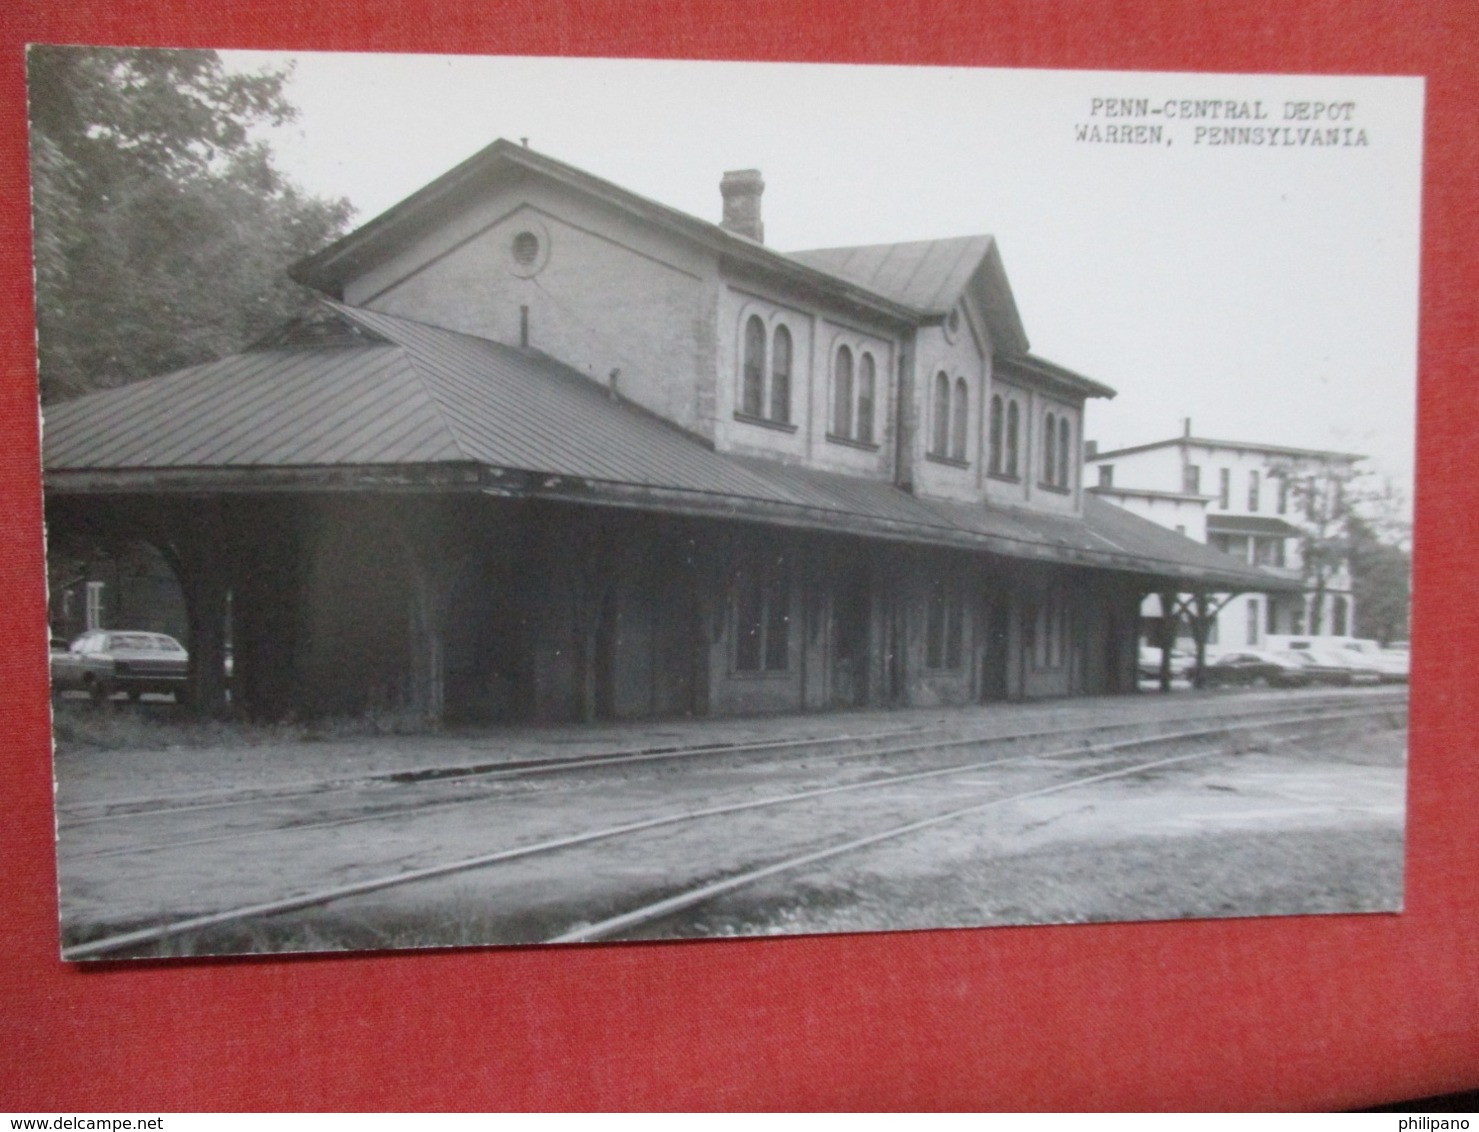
x,y
959,414
752,391
842,393
941,440
1065,438
1014,432
780,376
1050,449
867,391
997,423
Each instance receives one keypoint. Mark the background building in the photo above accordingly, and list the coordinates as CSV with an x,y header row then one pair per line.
x,y
1280,510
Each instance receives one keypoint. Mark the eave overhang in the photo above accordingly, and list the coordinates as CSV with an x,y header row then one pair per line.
x,y
932,524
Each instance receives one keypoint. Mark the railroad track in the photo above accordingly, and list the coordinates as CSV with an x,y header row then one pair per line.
x,y
1293,716
857,743
855,747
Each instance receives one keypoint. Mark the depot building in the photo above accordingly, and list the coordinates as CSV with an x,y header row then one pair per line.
x,y
549,450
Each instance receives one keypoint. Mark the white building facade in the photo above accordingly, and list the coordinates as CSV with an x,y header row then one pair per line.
x,y
1276,508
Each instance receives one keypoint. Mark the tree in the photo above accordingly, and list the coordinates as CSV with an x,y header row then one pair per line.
x,y
1351,529
162,227
1381,583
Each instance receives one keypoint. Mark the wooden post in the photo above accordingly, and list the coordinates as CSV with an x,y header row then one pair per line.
x,y
200,556
1168,637
1199,634
432,567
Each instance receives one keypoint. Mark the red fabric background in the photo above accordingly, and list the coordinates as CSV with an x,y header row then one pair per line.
x,y
1312,1012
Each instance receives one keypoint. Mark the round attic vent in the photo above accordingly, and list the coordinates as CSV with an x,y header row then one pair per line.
x,y
952,324
526,249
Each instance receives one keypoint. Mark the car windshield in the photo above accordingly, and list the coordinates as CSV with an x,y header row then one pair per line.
x,y
142,642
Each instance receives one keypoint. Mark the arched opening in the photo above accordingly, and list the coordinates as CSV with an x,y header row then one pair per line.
x,y
842,393
780,376
960,414
752,391
1050,449
1014,431
995,437
867,391
1065,437
940,441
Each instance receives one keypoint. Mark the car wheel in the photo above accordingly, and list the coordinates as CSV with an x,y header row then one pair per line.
x,y
97,690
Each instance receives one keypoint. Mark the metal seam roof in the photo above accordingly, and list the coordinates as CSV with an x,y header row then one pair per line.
x,y
430,396
927,274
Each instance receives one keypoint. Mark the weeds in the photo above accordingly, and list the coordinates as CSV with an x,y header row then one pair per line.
x,y
80,725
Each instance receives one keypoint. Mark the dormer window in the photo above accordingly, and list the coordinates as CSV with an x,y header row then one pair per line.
x,y
780,376
842,393
952,416
960,413
854,397
940,441
1050,449
1014,432
867,391
1065,439
1057,450
993,465
1004,435
766,356
752,398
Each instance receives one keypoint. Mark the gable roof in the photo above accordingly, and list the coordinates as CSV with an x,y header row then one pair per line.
x,y
907,284
932,276
329,269
373,398
928,274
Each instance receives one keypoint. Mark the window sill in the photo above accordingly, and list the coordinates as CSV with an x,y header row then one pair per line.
x,y
950,461
764,422
1054,488
849,442
1003,477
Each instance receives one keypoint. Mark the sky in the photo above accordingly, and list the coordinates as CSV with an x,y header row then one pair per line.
x,y
1268,292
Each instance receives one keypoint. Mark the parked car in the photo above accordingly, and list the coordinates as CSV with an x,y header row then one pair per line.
x,y
1253,666
1395,667
1322,667
1182,664
1365,667
102,662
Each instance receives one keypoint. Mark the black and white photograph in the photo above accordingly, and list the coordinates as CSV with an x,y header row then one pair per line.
x,y
497,501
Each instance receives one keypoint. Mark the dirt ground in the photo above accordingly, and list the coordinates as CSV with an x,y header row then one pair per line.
x,y
1302,830
1268,827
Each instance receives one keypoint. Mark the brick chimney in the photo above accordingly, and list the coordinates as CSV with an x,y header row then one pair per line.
x,y
741,189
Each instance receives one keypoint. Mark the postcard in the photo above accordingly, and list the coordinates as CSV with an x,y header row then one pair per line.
x,y
541,500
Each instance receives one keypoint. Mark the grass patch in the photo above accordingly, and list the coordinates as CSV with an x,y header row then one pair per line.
x,y
81,725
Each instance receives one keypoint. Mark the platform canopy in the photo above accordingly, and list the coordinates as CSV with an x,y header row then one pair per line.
x,y
353,399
